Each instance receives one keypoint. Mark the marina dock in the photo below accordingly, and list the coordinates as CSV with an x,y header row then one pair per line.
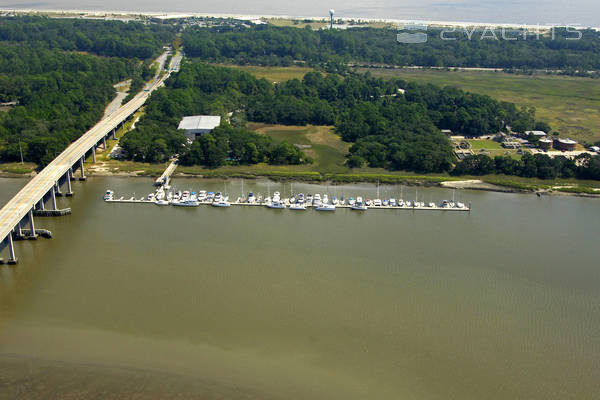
x,y
164,195
240,202
165,178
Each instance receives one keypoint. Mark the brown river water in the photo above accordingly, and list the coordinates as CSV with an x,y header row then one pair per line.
x,y
139,301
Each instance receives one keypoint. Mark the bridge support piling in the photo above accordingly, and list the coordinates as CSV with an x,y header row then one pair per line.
x,y
53,195
12,258
104,143
82,177
114,134
57,188
18,230
32,224
94,154
69,191
41,204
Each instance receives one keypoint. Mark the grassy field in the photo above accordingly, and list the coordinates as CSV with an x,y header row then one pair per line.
x,y
273,74
318,142
571,105
493,148
17,168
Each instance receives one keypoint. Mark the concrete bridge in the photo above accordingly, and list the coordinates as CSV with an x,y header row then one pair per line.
x,y
57,175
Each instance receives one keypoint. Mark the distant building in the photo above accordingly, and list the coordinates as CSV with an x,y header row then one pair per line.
x,y
511,144
564,144
447,132
545,143
595,148
169,17
198,125
536,133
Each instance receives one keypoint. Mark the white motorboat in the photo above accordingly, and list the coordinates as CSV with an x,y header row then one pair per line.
x,y
109,195
325,199
298,206
276,204
221,203
351,201
202,195
377,203
431,205
359,205
325,207
393,202
186,203
316,199
251,198
161,202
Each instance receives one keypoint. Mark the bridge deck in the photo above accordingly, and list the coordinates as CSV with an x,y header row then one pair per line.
x,y
18,207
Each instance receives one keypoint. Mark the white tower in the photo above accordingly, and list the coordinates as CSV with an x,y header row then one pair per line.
x,y
331,12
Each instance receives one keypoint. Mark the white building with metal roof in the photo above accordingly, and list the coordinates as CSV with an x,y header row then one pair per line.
x,y
198,125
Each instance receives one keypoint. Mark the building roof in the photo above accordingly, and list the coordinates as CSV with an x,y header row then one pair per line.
x,y
536,133
204,122
545,140
567,141
595,148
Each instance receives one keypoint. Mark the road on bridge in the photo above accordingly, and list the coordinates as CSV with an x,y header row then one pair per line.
x,y
26,199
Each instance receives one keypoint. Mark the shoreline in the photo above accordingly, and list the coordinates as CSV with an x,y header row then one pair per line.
x,y
439,182
128,14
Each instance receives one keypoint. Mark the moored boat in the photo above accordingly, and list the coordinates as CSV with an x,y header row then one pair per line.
x,y
325,207
108,195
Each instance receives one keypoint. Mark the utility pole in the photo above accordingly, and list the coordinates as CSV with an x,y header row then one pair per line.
x,y
20,149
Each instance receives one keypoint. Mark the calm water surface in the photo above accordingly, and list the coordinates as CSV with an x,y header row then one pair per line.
x,y
584,12
244,303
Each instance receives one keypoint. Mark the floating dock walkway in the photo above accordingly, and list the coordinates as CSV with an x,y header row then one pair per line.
x,y
240,202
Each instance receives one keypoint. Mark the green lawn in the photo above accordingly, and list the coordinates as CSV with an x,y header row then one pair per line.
x,y
571,105
273,74
318,142
18,168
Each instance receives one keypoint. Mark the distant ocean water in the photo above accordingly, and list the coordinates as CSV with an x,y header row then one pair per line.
x,y
580,12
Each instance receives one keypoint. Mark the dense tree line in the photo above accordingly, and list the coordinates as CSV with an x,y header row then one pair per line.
x,y
59,89
59,97
106,38
388,128
269,45
393,124
240,146
532,166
